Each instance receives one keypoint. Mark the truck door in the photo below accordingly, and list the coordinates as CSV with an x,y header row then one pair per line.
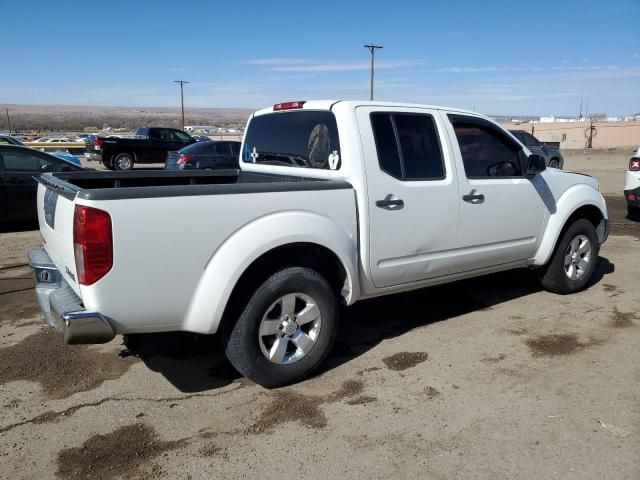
x,y
413,194
159,145
501,210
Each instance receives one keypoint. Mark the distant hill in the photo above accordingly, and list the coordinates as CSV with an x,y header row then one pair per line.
x,y
80,117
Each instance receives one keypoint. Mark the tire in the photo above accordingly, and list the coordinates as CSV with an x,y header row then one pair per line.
x,y
554,163
265,329
566,271
633,213
123,161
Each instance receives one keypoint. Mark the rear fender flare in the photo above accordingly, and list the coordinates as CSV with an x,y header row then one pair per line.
x,y
253,240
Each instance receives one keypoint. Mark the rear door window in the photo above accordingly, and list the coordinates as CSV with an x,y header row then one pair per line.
x,y
408,146
306,139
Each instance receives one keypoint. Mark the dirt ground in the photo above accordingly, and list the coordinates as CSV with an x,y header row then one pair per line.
x,y
489,378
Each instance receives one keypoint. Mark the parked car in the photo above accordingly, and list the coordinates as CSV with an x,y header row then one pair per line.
x,y
18,165
67,157
552,155
201,138
211,155
382,198
150,145
9,140
54,140
632,186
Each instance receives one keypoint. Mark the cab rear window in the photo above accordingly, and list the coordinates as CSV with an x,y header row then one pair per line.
x,y
306,139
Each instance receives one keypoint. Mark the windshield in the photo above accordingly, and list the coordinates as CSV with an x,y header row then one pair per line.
x,y
307,139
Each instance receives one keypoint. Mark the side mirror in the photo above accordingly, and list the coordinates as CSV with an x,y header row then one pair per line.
x,y
536,164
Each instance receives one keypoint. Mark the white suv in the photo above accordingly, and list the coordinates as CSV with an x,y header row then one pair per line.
x,y
632,185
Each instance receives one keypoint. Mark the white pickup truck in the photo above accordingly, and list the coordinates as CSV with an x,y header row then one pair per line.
x,y
335,202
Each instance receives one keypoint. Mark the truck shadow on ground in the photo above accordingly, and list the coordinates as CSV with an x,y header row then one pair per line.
x,y
196,363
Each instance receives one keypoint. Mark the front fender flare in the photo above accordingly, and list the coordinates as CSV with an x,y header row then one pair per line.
x,y
253,240
574,198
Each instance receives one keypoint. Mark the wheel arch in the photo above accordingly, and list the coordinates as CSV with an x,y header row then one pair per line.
x,y
312,241
578,202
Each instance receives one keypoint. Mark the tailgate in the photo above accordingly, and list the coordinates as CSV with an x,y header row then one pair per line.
x,y
55,215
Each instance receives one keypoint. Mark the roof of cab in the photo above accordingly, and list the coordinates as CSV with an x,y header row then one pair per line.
x,y
328,104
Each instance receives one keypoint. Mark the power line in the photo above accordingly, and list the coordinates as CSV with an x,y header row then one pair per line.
x,y
181,82
372,48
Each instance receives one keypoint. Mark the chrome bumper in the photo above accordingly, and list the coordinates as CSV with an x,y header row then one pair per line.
x,y
62,308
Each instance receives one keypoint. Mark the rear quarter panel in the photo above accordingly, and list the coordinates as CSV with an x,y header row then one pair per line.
x,y
176,259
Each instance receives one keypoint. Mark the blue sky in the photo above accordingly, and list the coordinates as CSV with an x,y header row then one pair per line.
x,y
500,57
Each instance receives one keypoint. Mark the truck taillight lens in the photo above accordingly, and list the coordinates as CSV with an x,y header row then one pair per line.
x,y
92,244
182,159
634,164
97,145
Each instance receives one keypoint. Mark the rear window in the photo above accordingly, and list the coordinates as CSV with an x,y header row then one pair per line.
x,y
200,148
307,139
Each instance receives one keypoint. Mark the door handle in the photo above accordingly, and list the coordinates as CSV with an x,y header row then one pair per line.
x,y
473,197
390,202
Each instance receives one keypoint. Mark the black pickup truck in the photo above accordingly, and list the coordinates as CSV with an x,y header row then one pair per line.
x,y
149,145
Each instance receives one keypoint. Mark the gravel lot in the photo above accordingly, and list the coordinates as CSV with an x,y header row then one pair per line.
x,y
486,378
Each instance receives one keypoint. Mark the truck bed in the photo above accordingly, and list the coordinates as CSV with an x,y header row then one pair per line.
x,y
101,185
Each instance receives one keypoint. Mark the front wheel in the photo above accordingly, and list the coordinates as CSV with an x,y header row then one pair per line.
x,y
554,163
286,329
573,261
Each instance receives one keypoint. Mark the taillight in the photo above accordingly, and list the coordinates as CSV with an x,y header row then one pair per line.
x,y
182,159
98,144
92,244
634,164
288,105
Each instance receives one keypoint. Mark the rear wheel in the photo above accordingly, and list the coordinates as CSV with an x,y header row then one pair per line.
x,y
573,261
286,329
633,213
123,161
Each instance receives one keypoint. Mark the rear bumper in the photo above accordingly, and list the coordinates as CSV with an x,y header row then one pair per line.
x,y
93,156
62,308
633,197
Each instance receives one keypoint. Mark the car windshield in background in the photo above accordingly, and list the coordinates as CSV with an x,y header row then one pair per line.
x,y
307,139
526,138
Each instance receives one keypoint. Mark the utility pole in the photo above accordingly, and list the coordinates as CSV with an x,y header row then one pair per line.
x,y
586,110
181,82
8,119
580,114
372,48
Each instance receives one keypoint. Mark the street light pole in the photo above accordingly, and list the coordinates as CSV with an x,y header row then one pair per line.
x,y
181,82
372,48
